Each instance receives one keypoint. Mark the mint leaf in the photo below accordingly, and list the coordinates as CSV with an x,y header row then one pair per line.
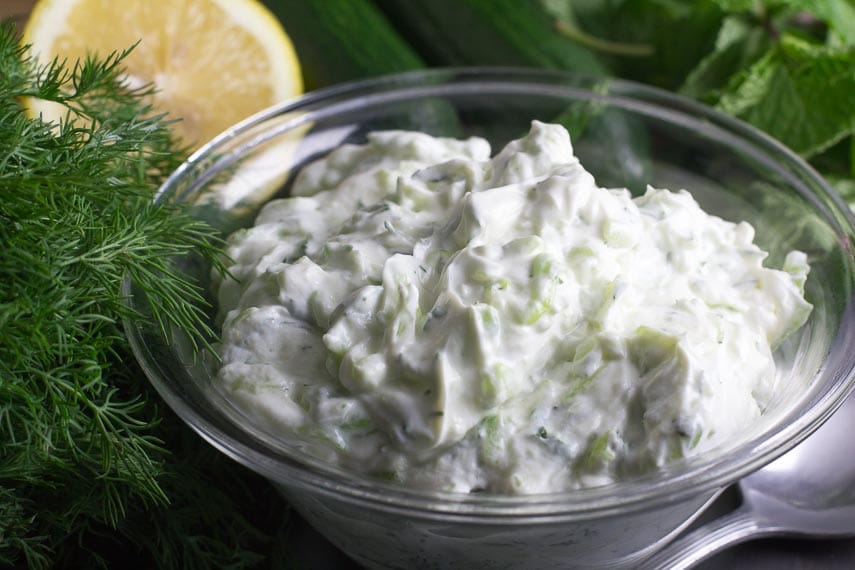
x,y
839,15
565,22
739,44
737,5
674,35
846,188
799,92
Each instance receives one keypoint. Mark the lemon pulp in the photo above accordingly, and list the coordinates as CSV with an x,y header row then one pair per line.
x,y
212,62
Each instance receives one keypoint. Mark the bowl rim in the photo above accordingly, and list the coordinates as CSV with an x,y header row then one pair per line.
x,y
696,480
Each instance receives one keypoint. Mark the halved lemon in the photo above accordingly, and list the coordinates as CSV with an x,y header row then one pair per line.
x,y
212,62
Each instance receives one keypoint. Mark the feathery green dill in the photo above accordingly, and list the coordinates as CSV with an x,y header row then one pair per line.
x,y
92,467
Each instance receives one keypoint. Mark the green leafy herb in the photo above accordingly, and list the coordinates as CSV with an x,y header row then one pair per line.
x,y
812,86
785,66
662,39
93,471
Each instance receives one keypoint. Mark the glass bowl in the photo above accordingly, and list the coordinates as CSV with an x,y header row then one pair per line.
x,y
627,135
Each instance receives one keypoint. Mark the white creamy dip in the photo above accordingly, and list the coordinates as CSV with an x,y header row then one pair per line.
x,y
434,316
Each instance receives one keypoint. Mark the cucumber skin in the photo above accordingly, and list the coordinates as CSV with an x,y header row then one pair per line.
x,y
488,32
342,40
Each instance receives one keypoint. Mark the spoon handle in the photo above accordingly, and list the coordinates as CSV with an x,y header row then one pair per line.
x,y
701,543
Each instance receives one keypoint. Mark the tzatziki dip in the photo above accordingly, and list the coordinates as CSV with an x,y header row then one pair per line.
x,y
420,311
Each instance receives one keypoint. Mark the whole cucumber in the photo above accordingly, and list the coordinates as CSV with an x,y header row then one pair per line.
x,y
343,40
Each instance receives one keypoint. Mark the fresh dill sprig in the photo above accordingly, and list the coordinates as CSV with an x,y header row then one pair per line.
x,y
88,456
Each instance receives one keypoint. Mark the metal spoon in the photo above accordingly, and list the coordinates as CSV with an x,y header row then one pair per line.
x,y
808,492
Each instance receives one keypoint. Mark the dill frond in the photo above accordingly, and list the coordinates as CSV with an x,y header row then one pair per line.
x,y
86,458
